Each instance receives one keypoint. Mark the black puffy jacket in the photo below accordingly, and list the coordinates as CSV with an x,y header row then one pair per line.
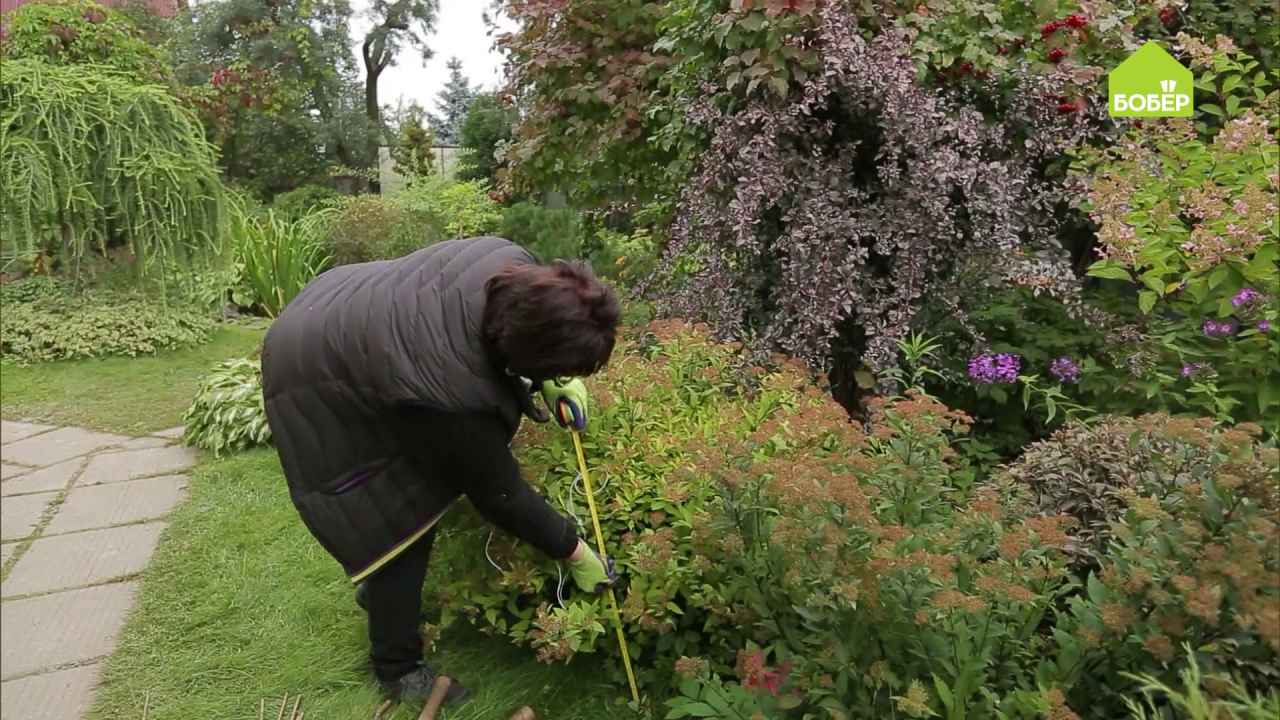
x,y
356,344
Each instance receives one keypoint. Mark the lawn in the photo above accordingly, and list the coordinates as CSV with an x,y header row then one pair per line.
x,y
240,603
119,394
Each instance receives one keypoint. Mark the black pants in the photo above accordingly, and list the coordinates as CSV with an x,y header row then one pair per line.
x,y
470,452
395,604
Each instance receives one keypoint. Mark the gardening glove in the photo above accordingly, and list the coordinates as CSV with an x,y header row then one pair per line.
x,y
591,573
567,402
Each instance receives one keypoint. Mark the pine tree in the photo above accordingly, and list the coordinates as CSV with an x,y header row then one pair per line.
x,y
452,102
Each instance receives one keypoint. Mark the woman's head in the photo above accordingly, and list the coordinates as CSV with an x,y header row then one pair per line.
x,y
548,321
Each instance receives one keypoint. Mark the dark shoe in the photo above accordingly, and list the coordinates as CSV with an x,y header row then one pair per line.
x,y
417,686
362,596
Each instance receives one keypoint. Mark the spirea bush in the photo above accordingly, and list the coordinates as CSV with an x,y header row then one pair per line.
x,y
830,568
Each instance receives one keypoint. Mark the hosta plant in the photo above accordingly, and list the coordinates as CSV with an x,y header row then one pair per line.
x,y
227,414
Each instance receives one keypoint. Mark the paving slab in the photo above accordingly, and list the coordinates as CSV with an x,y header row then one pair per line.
x,y
173,433
129,464
55,477
56,446
19,515
69,627
145,442
98,506
61,695
9,471
13,431
80,559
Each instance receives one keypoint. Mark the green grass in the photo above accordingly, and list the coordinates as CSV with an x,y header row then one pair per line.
x,y
240,604
119,394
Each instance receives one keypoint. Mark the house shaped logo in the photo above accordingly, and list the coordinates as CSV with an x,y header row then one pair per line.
x,y
1151,83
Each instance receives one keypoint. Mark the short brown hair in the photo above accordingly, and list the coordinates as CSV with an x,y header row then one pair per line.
x,y
548,321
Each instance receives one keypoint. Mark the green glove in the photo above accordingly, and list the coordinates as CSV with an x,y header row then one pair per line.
x,y
591,573
567,402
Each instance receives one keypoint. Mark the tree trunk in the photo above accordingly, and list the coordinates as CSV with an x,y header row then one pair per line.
x,y
371,107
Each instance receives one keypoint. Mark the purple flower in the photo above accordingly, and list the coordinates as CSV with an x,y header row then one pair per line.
x,y
987,369
1215,329
1264,326
1246,296
1064,369
1191,369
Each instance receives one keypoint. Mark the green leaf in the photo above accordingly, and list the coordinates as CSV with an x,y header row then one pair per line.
x,y
1097,591
1211,109
1146,301
1233,106
1109,270
944,693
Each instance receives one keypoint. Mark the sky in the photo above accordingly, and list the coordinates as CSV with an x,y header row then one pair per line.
x,y
460,32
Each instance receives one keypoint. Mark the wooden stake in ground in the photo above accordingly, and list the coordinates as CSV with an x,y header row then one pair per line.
x,y
436,699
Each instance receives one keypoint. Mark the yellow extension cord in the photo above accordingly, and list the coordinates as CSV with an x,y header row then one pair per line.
x,y
613,601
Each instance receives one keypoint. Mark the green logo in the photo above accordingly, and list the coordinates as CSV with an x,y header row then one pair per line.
x,y
1151,83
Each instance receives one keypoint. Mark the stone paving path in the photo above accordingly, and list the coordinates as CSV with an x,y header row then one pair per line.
x,y
80,514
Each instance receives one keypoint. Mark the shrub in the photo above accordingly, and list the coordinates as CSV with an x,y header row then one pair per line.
x,y
828,568
363,228
549,233
90,158
82,32
485,132
815,226
279,257
228,414
1191,224
1090,471
1196,565
459,209
299,202
69,327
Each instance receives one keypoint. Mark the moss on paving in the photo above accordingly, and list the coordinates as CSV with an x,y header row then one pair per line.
x,y
240,604
133,396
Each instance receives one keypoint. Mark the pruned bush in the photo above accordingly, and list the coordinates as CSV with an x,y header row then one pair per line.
x,y
228,414
69,327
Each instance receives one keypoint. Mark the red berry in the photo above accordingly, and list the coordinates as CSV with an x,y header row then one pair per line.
x,y
965,68
1002,50
1049,28
1056,55
1076,21
1066,108
1168,15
